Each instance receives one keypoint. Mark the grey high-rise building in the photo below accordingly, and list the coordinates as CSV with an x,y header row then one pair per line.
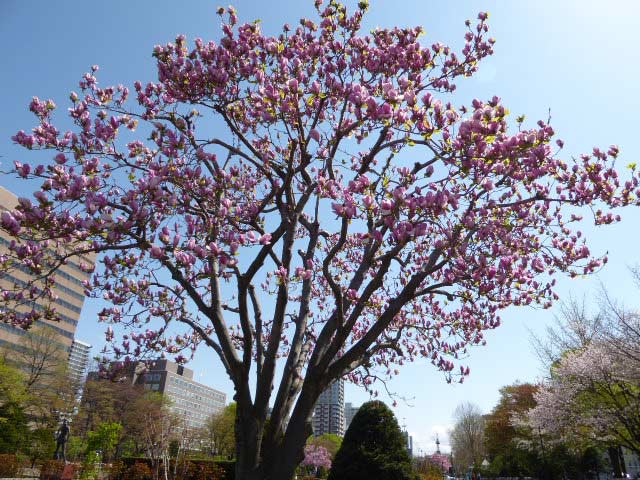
x,y
349,412
78,361
408,442
328,414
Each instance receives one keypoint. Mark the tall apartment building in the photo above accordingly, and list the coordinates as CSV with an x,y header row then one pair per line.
x,y
328,414
68,287
349,412
78,361
191,400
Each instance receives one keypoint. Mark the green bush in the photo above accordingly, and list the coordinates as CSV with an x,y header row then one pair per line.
x,y
15,429
373,448
41,445
9,465
228,467
104,439
89,469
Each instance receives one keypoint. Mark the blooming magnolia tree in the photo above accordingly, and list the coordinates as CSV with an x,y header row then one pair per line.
x,y
441,460
337,179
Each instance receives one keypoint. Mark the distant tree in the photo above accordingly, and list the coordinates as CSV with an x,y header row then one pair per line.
x,y
107,401
219,432
594,395
41,445
14,399
14,430
573,328
105,440
13,389
43,360
159,427
467,437
40,355
96,406
590,401
429,468
502,438
442,460
373,448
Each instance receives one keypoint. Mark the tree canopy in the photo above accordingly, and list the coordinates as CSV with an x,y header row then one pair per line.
x,y
387,222
499,431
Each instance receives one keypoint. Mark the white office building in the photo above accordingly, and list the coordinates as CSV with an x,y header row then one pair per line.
x,y
79,356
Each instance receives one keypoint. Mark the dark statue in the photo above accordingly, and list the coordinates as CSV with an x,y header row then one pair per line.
x,y
62,437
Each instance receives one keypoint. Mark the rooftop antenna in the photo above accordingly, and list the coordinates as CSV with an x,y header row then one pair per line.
x,y
437,444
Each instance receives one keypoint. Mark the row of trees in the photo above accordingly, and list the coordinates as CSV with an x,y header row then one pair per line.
x,y
592,395
500,444
119,419
576,420
109,419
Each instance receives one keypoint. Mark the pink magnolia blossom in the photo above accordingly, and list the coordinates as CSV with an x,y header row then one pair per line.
x,y
316,456
441,460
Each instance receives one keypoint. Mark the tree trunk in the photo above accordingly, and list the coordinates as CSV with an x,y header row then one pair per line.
x,y
282,456
290,455
284,460
617,462
249,433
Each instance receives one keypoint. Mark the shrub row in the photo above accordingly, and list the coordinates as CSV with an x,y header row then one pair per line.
x,y
142,469
51,470
9,466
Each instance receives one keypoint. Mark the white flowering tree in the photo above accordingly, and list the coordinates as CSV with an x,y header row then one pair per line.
x,y
594,392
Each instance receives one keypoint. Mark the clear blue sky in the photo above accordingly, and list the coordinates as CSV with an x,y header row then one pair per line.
x,y
578,58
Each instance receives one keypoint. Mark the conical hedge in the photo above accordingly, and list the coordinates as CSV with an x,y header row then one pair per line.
x,y
373,448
